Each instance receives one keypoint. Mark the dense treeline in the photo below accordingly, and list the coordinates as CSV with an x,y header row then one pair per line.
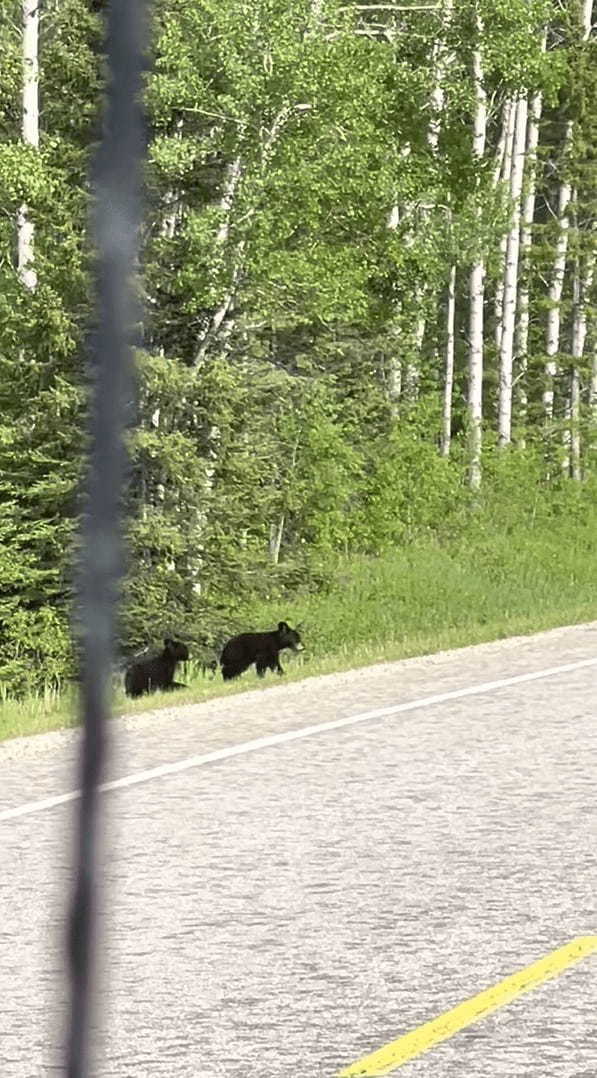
x,y
368,276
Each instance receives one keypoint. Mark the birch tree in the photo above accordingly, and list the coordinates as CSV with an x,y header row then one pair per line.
x,y
438,100
552,340
226,206
593,388
503,173
328,189
446,435
526,236
510,290
30,134
582,287
477,276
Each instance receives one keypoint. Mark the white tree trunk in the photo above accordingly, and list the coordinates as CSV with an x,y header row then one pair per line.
x,y
503,172
475,388
233,176
231,186
511,276
315,18
449,365
477,285
409,383
500,168
574,469
593,389
412,374
394,368
172,200
526,236
441,61
30,133
582,286
587,18
394,374
276,532
403,379
552,342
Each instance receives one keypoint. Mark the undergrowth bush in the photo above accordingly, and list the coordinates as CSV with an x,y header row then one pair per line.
x,y
410,513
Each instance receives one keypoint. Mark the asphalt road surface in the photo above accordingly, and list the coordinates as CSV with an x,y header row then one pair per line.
x,y
282,912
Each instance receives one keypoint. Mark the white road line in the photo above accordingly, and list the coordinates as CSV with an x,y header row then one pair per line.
x,y
293,735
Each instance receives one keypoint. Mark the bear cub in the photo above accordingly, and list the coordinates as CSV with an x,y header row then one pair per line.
x,y
263,649
148,675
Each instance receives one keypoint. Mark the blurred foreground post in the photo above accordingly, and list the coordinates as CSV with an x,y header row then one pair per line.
x,y
116,219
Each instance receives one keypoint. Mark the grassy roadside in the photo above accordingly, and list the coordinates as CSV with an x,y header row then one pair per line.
x,y
410,602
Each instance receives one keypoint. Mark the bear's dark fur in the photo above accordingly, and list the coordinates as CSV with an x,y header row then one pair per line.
x,y
148,675
263,649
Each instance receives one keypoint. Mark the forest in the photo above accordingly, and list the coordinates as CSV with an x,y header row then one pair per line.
x,y
368,285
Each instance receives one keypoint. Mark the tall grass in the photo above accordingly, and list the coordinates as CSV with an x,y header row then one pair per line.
x,y
419,599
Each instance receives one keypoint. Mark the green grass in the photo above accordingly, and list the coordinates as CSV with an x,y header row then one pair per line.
x,y
411,602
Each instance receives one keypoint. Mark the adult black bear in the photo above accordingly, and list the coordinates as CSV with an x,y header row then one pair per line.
x,y
263,649
147,675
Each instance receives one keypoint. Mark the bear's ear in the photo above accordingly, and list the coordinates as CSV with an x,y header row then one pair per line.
x,y
168,640
282,627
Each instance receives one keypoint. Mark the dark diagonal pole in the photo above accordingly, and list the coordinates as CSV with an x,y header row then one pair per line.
x,y
116,217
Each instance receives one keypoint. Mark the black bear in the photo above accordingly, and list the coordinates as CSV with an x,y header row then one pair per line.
x,y
147,675
263,649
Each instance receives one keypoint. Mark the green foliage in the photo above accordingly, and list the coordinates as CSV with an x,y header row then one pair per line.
x,y
477,586
280,306
410,490
410,601
37,650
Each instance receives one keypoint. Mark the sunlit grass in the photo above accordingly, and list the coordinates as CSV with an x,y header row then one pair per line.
x,y
36,714
411,602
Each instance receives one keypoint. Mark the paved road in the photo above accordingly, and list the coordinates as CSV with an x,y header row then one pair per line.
x,y
282,913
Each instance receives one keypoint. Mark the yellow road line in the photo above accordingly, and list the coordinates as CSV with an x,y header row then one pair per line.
x,y
420,1040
